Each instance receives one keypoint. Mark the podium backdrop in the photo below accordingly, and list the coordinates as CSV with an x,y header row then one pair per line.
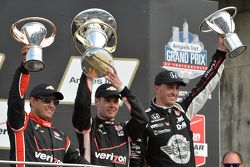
x,y
148,32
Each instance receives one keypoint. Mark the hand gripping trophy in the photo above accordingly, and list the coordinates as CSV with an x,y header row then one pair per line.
x,y
222,22
33,32
95,30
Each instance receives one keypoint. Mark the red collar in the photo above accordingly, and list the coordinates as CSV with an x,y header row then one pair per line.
x,y
40,121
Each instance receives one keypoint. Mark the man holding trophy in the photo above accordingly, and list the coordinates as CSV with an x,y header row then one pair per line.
x,y
32,136
174,146
102,140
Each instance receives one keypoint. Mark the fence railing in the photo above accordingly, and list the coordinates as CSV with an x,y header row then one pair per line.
x,y
45,163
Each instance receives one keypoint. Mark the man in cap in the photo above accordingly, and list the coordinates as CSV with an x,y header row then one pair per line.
x,y
102,140
168,135
32,135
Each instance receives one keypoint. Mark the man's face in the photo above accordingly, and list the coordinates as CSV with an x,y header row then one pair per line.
x,y
232,160
107,108
43,107
166,94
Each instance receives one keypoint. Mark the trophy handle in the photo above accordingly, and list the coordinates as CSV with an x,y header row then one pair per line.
x,y
85,42
17,34
208,26
20,37
212,26
75,43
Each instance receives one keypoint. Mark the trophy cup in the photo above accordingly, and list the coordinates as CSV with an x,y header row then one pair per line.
x,y
95,30
222,22
33,32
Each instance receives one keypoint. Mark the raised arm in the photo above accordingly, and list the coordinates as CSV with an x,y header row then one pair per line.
x,y
138,121
199,95
81,118
16,99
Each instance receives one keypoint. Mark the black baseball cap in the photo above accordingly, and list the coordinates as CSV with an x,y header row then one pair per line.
x,y
107,90
167,77
45,90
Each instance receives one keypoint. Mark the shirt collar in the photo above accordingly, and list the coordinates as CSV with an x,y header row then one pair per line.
x,y
40,121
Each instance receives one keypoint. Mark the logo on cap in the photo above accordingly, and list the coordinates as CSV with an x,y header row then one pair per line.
x,y
111,88
50,87
173,75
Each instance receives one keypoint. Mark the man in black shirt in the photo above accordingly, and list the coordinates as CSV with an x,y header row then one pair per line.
x,y
32,135
102,140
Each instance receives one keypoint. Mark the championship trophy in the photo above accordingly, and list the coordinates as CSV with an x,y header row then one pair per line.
x,y
34,33
222,22
95,30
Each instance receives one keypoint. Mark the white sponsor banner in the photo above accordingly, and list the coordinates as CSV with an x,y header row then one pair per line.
x,y
4,138
200,149
126,69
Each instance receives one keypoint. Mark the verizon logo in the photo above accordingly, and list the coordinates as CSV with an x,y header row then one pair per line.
x,y
45,157
114,158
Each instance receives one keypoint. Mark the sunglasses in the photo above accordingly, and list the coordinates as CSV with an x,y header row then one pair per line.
x,y
48,100
232,165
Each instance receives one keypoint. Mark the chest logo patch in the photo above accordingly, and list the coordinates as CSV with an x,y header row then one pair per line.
x,y
178,149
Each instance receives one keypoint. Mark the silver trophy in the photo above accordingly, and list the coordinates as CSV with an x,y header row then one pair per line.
x,y
222,22
34,33
95,30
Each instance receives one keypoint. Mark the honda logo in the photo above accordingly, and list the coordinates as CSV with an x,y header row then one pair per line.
x,y
155,116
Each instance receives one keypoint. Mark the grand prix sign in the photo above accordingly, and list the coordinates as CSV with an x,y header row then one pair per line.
x,y
185,54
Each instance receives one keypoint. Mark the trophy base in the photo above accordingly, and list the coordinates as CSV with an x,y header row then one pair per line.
x,y
33,65
96,61
234,45
238,51
34,61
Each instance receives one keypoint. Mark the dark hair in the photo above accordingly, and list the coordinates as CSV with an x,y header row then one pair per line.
x,y
234,152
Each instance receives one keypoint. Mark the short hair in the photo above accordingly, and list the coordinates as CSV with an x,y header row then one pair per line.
x,y
234,152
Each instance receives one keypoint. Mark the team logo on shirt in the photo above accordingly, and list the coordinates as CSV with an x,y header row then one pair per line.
x,y
46,157
117,159
38,127
178,149
119,130
180,124
118,127
156,117
157,125
57,135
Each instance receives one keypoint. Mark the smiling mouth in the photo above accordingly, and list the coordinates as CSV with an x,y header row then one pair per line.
x,y
110,111
49,111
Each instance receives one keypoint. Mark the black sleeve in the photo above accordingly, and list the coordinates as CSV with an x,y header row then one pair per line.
x,y
137,124
16,100
200,91
82,107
